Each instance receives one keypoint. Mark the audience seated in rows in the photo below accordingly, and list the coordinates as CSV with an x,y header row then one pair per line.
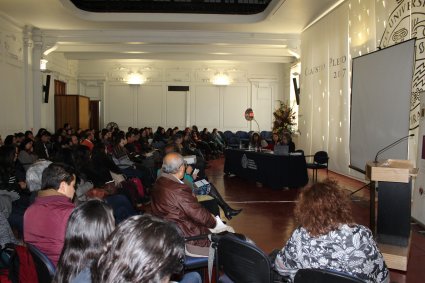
x,y
326,226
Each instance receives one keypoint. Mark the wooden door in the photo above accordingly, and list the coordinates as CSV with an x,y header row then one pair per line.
x,y
60,87
94,114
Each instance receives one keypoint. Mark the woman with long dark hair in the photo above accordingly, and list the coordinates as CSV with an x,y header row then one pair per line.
x,y
87,230
142,249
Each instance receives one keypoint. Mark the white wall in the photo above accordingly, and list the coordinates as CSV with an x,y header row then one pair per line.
x,y
256,85
21,81
12,80
353,29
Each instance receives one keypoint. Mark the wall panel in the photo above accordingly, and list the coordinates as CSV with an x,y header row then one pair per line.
x,y
206,110
119,105
235,102
176,109
150,110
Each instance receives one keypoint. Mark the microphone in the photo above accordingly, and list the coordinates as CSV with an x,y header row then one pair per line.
x,y
391,145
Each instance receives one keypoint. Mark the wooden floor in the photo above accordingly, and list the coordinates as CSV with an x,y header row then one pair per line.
x,y
267,216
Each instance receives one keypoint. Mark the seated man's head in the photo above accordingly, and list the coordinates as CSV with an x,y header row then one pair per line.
x,y
173,164
34,173
322,208
141,249
59,177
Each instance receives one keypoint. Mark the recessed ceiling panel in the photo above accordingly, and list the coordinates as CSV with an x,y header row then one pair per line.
x,y
226,7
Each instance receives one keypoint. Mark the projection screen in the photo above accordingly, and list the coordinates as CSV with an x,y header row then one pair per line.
x,y
380,103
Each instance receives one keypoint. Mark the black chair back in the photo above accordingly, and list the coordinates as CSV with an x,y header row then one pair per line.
x,y
243,262
324,276
321,157
45,268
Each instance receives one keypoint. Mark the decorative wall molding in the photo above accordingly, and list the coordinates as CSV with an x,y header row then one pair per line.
x,y
13,48
177,75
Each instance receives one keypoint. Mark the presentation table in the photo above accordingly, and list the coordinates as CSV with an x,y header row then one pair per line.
x,y
275,171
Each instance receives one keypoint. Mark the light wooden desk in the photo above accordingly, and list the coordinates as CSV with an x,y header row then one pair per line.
x,y
395,257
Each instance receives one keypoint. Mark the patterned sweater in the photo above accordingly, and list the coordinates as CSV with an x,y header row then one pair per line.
x,y
348,249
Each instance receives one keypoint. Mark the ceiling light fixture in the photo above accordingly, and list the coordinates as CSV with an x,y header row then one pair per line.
x,y
135,79
43,64
221,79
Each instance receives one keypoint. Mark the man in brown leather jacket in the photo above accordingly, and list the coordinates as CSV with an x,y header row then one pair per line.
x,y
174,201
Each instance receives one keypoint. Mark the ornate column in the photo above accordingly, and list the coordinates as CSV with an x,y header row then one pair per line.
x,y
37,83
27,55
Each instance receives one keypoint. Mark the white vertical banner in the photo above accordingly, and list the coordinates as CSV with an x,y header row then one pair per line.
x,y
314,89
305,108
339,95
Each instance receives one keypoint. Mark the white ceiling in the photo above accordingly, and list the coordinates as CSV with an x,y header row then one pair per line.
x,y
272,36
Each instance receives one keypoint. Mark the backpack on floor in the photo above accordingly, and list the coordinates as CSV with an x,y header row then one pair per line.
x,y
18,265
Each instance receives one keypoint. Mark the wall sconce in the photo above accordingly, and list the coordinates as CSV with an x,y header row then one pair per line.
x,y
43,64
135,79
221,79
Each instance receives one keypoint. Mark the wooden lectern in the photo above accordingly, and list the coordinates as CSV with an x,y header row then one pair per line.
x,y
393,179
394,199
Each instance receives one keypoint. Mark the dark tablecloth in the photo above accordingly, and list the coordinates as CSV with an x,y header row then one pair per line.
x,y
275,171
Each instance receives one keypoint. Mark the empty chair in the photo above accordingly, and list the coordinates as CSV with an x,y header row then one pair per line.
x,y
320,161
243,262
232,140
45,268
227,135
243,137
324,276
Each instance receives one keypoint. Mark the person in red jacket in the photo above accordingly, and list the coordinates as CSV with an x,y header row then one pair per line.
x,y
45,220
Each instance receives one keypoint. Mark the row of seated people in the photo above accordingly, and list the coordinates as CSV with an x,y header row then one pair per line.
x,y
254,140
131,153
174,200
327,236
97,161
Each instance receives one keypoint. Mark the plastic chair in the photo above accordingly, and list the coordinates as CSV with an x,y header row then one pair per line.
x,y
45,268
320,161
324,276
243,262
